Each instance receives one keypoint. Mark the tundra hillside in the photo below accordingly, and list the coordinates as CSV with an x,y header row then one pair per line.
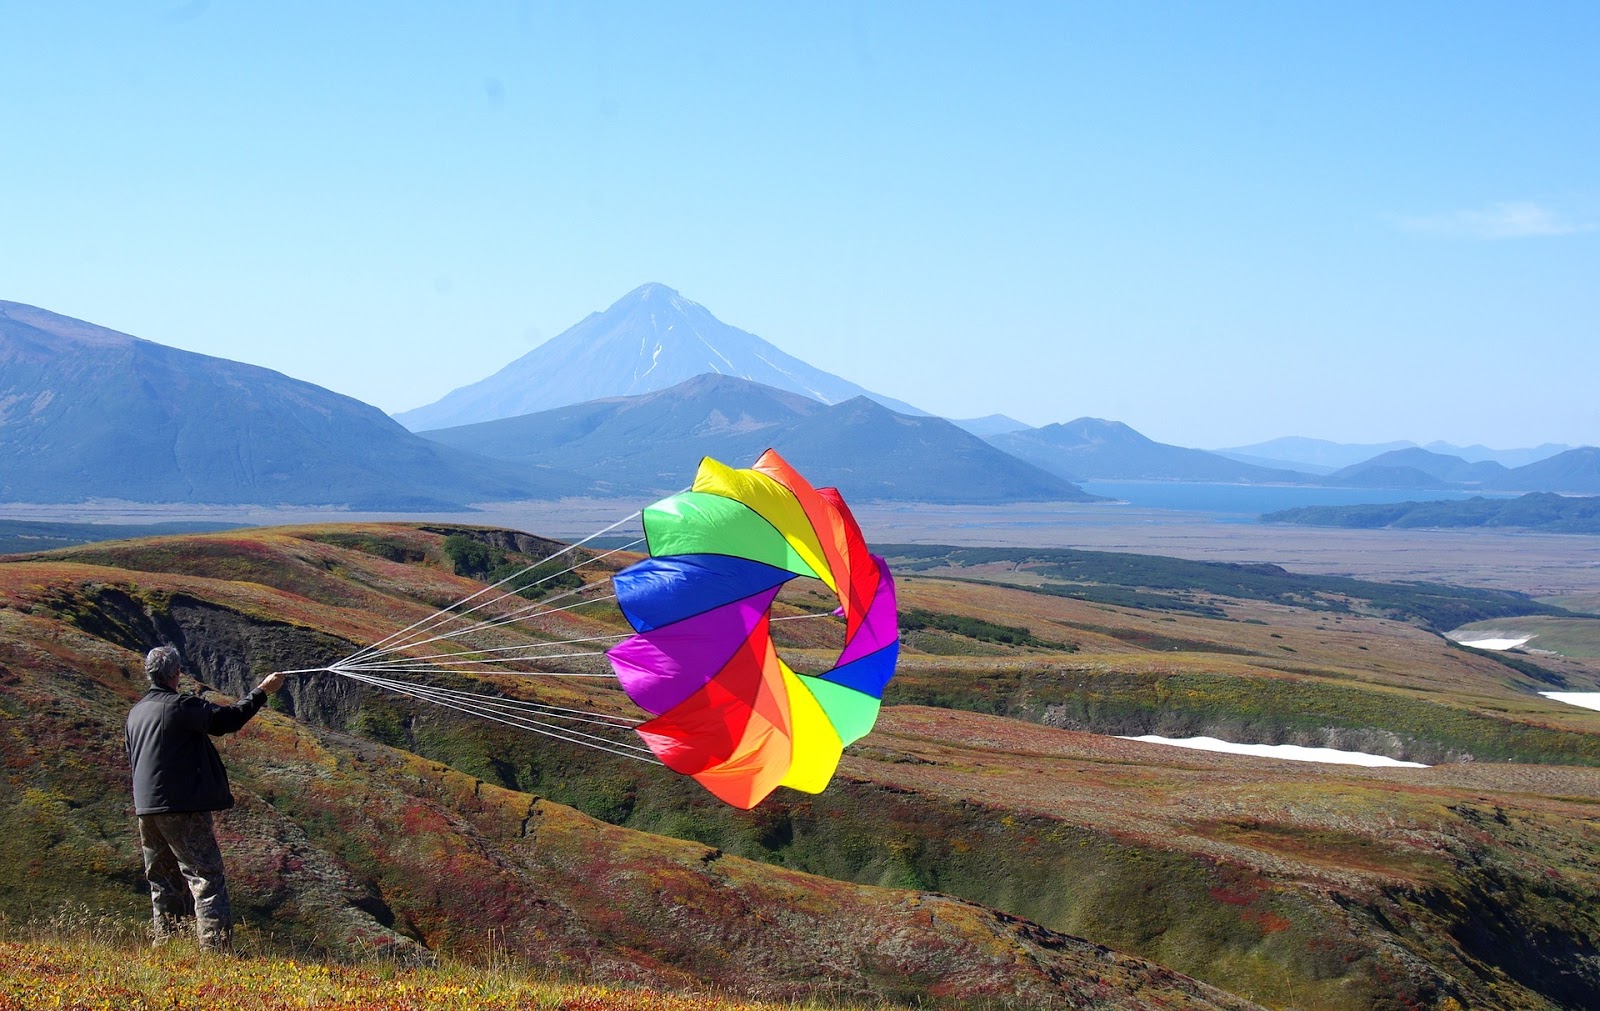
x,y
988,842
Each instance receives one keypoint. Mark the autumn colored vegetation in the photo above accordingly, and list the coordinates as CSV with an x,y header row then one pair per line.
x,y
990,844
84,971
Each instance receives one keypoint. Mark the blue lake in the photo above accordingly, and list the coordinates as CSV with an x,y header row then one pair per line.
x,y
1245,502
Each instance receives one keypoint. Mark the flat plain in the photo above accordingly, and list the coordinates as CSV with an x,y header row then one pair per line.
x,y
1542,565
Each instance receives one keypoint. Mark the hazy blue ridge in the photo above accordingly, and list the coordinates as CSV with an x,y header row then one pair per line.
x,y
1322,456
1509,458
91,413
1090,449
1420,468
1094,449
652,443
1380,476
1576,471
650,339
1276,464
990,424
1298,453
1544,511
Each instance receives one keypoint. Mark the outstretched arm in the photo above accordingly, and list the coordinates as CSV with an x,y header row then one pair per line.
x,y
227,719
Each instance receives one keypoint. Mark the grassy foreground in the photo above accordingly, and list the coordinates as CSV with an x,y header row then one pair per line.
x,y
94,973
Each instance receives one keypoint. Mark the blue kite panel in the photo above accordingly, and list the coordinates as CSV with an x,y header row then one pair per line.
x,y
659,591
869,674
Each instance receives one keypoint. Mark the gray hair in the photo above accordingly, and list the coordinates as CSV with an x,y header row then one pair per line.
x,y
161,665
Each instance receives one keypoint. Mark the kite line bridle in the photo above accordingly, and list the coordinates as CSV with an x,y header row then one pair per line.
x,y
438,645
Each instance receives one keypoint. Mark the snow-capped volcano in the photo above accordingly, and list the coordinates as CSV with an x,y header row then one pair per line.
x,y
650,339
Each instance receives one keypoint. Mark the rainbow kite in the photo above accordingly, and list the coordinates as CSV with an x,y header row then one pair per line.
x,y
727,710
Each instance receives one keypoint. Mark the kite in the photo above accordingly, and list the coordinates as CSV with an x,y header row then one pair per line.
x,y
727,710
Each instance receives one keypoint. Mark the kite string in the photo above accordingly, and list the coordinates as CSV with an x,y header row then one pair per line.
x,y
427,663
371,662
566,734
492,621
444,612
447,670
541,644
519,615
430,661
396,642
362,665
505,703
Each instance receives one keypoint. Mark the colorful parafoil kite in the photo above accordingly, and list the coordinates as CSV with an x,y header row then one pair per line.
x,y
727,710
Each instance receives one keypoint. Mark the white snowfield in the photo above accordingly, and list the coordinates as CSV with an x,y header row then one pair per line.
x,y
1292,752
1494,643
1587,700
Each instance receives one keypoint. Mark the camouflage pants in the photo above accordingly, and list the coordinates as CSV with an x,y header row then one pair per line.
x,y
183,864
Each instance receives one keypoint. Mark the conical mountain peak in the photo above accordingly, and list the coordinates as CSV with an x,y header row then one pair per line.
x,y
655,306
650,291
650,339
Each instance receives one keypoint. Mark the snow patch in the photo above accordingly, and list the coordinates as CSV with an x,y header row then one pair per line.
x,y
1291,752
1490,640
1585,700
1495,643
655,359
816,394
696,331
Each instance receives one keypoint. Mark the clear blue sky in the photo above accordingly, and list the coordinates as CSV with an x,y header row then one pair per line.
x,y
1219,223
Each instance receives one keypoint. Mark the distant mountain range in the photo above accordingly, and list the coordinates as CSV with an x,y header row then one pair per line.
x,y
91,413
650,339
649,443
1089,448
1575,471
1420,468
1319,456
990,424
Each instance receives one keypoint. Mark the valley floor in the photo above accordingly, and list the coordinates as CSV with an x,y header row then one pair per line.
x,y
1543,565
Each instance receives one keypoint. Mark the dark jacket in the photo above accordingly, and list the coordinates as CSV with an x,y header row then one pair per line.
x,y
175,766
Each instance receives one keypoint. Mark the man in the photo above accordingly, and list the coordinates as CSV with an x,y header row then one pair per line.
x,y
178,781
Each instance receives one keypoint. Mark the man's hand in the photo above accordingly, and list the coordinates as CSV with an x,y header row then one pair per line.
x,y
272,682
